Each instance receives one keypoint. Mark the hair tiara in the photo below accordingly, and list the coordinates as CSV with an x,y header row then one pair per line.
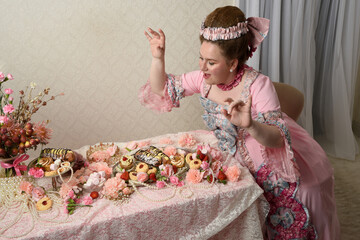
x,y
257,27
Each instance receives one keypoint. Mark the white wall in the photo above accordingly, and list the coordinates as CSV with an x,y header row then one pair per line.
x,y
96,52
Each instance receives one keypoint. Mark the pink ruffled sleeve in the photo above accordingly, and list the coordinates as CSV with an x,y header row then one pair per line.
x,y
266,108
176,88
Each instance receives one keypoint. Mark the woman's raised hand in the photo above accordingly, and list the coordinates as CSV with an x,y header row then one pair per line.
x,y
239,112
157,42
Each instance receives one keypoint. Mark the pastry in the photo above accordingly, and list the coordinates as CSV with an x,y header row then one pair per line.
x,y
148,157
133,176
50,173
142,167
152,170
178,160
45,163
189,158
127,162
44,204
195,164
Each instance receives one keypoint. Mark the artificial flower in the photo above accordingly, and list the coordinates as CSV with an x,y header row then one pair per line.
x,y
204,165
127,191
42,132
112,150
166,170
175,180
9,108
100,156
131,145
100,166
2,76
37,193
233,173
87,200
143,144
26,187
113,186
160,184
170,150
8,91
36,172
187,140
166,141
142,176
194,176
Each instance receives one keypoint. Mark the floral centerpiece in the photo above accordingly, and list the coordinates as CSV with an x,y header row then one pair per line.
x,y
18,133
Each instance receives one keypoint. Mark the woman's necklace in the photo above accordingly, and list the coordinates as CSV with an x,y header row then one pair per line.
x,y
236,81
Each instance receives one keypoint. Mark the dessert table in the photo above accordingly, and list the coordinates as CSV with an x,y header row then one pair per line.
x,y
235,210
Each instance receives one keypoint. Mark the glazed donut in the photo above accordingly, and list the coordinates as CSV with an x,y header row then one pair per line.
x,y
195,164
142,167
178,160
44,204
127,162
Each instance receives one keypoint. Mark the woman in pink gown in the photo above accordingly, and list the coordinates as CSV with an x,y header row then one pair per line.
x,y
243,111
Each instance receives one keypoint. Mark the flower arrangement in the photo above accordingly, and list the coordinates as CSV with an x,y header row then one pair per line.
x,y
18,133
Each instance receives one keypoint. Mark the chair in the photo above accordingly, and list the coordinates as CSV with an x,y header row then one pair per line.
x,y
290,98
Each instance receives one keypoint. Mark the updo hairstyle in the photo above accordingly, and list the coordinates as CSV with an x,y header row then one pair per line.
x,y
235,48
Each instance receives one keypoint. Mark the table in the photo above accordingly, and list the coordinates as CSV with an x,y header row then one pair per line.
x,y
232,211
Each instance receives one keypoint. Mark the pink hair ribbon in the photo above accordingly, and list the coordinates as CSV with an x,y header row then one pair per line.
x,y
16,164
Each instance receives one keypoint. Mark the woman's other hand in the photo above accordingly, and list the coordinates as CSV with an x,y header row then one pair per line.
x,y
239,112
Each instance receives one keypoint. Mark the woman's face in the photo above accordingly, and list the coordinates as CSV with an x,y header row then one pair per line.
x,y
214,65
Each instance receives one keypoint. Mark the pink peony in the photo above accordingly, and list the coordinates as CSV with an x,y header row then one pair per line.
x,y
160,184
112,150
100,166
37,193
142,176
187,140
194,176
87,200
8,91
26,187
166,170
36,172
4,119
9,108
233,173
100,156
170,151
112,187
166,141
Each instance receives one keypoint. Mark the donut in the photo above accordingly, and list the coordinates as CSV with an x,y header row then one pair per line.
x,y
178,160
45,162
133,176
44,204
127,162
142,167
195,164
152,170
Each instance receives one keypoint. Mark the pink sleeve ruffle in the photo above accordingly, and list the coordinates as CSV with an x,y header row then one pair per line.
x,y
173,92
280,160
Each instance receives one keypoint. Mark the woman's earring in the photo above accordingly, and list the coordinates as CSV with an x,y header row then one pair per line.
x,y
231,70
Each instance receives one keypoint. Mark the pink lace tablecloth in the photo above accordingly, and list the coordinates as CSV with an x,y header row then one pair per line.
x,y
232,211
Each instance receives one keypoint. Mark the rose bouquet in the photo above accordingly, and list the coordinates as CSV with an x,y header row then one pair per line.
x,y
18,133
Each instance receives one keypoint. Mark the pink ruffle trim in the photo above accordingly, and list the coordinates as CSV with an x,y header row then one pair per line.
x,y
153,101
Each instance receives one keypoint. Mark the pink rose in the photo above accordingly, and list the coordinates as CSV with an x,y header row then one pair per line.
x,y
87,200
9,108
36,172
142,176
127,191
4,119
233,173
26,187
170,151
112,150
37,193
2,76
204,165
174,180
160,184
166,170
131,145
8,91
10,77
194,176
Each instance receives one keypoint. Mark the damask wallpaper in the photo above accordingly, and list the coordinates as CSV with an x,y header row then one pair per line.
x,y
96,53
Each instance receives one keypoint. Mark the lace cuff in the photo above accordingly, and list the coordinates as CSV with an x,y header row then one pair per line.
x,y
173,92
280,160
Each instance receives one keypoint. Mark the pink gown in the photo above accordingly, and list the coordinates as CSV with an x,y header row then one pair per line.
x,y
297,179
